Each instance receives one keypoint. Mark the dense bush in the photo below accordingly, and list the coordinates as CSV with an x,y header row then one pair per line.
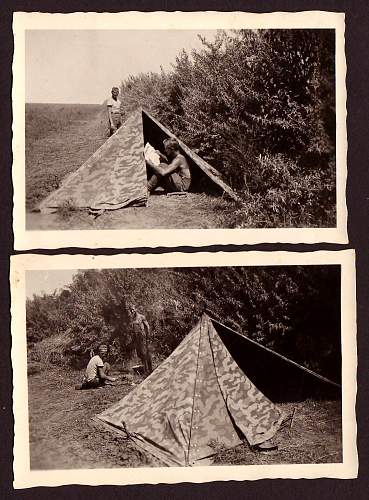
x,y
294,310
248,102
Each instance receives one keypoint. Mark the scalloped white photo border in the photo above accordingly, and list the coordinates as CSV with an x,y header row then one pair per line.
x,y
127,238
24,477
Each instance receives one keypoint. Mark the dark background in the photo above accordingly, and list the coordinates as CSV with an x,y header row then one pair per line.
x,y
357,43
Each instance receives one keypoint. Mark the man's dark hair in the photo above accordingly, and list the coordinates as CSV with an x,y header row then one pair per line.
x,y
172,143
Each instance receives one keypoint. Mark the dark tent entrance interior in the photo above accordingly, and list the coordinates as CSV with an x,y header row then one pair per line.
x,y
155,133
278,378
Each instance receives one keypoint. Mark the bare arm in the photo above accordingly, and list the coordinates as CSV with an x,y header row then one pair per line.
x,y
103,375
146,327
167,169
110,118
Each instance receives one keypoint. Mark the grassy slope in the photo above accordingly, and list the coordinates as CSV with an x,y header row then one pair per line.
x,y
63,436
60,138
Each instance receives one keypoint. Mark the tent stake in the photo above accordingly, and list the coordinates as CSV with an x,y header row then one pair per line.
x,y
293,414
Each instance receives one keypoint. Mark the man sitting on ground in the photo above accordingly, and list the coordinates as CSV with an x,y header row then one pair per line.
x,y
173,176
97,371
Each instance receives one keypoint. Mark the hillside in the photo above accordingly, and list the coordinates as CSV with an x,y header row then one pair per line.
x,y
60,138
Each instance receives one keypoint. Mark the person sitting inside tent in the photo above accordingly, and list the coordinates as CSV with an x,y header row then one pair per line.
x,y
114,112
97,371
173,176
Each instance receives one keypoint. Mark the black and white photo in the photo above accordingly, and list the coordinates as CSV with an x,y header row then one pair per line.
x,y
229,126
153,362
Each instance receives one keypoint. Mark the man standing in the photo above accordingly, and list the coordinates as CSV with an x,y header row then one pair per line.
x,y
176,175
97,371
141,332
114,111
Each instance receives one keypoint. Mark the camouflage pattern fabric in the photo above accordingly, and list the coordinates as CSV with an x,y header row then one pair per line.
x,y
196,400
112,178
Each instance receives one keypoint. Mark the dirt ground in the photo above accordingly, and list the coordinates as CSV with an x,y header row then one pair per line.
x,y
193,211
64,436
55,154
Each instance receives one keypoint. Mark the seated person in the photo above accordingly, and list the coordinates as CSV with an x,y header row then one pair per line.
x,y
97,371
173,176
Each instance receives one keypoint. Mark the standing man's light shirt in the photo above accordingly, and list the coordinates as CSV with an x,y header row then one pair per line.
x,y
114,111
115,105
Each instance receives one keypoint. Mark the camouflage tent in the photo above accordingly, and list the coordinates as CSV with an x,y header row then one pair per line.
x,y
115,175
197,400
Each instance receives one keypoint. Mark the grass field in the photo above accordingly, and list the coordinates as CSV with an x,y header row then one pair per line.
x,y
60,138
63,436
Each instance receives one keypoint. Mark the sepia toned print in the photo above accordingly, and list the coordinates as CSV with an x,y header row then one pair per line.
x,y
245,115
129,363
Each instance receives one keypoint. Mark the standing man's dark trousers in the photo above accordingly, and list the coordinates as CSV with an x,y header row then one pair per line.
x,y
97,381
117,122
143,353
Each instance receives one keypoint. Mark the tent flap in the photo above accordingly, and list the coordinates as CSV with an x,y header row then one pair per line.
x,y
112,178
257,418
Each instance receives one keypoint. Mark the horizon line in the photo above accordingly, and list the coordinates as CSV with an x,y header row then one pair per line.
x,y
79,103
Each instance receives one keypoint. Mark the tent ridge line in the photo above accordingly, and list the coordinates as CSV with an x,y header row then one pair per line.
x,y
324,379
194,392
214,364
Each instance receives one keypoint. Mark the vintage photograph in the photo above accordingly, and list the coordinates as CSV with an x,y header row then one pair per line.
x,y
182,366
183,129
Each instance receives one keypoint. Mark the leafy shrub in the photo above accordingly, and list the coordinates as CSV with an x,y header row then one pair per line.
x,y
277,195
294,310
254,94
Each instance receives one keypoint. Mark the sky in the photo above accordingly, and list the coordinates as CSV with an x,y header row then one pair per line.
x,y
47,281
81,66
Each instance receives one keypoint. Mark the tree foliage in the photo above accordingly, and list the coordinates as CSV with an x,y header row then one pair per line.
x,y
294,310
250,102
